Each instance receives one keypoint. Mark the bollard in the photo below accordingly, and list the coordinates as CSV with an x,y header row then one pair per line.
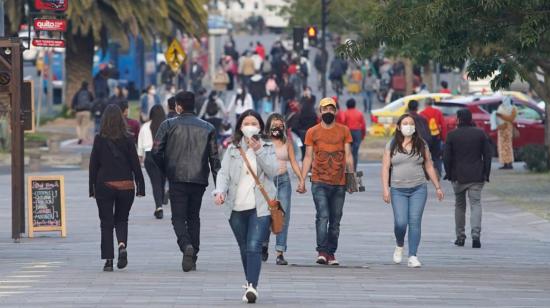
x,y
54,144
34,161
85,161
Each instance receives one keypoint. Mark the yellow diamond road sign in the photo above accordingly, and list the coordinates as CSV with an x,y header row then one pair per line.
x,y
175,56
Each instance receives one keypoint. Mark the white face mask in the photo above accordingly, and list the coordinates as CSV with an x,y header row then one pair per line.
x,y
407,130
152,91
249,131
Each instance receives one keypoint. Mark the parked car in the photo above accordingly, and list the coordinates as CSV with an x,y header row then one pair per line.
x,y
529,121
384,119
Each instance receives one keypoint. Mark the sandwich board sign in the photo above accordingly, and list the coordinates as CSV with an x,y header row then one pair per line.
x,y
46,204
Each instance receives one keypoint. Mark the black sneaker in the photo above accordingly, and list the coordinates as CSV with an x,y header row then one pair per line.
x,y
476,244
108,267
265,254
281,260
187,262
459,242
159,213
122,257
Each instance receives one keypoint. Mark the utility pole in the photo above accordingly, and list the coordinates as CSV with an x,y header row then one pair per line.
x,y
324,54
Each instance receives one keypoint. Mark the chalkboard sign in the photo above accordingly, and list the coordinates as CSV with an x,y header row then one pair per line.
x,y
46,203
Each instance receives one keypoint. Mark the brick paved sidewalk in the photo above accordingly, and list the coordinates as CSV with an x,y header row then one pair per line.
x,y
512,269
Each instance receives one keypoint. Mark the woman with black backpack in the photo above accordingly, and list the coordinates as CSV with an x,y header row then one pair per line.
x,y
213,111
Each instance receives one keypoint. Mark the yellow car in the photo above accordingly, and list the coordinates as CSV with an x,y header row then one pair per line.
x,y
384,119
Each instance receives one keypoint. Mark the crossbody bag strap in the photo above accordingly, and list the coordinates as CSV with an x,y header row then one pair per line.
x,y
256,179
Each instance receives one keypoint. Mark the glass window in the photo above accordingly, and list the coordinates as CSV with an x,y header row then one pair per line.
x,y
449,109
525,112
394,106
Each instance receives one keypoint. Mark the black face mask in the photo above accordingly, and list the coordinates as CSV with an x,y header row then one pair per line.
x,y
328,117
277,132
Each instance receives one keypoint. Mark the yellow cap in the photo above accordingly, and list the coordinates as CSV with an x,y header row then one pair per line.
x,y
327,101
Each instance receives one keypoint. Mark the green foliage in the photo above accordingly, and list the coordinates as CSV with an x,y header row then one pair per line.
x,y
535,157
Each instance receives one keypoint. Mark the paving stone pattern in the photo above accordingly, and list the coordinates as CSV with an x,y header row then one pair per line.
x,y
511,270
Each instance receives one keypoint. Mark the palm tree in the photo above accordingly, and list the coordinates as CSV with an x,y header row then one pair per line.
x,y
96,22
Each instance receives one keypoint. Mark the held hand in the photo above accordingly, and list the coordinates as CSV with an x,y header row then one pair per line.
x,y
301,188
440,194
219,199
386,195
254,144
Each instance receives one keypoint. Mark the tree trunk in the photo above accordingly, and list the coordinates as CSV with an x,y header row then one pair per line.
x,y
79,60
408,76
427,76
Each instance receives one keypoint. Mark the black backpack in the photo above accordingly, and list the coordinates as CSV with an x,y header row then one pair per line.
x,y
83,101
212,108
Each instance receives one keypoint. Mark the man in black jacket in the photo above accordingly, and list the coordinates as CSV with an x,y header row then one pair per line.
x,y
467,159
185,148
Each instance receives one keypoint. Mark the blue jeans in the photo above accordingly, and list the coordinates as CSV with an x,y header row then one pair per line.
x,y
250,231
367,100
284,190
356,144
329,204
408,206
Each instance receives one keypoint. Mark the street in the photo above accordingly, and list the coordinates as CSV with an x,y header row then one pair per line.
x,y
512,269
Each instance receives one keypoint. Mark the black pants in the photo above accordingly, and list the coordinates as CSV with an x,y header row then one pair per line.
x,y
185,201
158,180
121,201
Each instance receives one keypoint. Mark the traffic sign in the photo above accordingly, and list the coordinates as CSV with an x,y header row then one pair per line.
x,y
48,43
50,25
175,55
51,5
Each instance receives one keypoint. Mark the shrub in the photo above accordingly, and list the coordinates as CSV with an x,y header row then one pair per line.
x,y
535,157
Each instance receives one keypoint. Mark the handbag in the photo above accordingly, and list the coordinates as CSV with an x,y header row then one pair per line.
x,y
274,205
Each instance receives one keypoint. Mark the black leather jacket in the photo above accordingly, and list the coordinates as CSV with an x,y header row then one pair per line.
x,y
184,147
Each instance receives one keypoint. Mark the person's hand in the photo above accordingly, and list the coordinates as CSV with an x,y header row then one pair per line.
x,y
386,195
440,194
254,144
219,198
301,187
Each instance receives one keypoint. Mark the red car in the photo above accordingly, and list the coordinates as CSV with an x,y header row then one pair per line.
x,y
529,119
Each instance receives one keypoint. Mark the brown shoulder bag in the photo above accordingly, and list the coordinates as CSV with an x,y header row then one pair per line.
x,y
274,205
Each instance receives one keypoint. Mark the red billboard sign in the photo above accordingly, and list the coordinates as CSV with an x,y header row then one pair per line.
x,y
48,43
51,5
50,25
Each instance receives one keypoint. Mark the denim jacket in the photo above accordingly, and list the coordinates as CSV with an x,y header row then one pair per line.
x,y
230,174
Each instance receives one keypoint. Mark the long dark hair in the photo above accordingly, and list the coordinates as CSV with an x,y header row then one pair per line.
x,y
238,134
157,116
418,144
113,126
270,119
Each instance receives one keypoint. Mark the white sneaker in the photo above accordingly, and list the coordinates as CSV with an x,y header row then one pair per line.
x,y
250,295
413,262
398,255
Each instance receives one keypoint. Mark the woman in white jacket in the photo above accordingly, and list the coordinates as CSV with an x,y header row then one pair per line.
x,y
236,192
145,144
241,102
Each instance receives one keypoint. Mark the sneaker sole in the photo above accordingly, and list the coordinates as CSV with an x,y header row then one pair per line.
x,y
250,297
122,259
110,269
187,263
321,261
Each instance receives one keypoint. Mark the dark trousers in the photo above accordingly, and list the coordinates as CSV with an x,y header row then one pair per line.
x,y
356,144
158,180
329,204
121,201
185,201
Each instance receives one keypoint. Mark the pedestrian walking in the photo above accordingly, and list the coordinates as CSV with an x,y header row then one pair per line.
x,y
132,125
213,111
284,151
438,129
368,88
171,108
257,91
147,101
82,104
114,168
467,158
197,74
328,151
185,149
240,102
355,121
236,191
307,118
405,166
144,147
504,118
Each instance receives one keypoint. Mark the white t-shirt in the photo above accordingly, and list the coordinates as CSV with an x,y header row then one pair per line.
x,y
245,198
145,139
